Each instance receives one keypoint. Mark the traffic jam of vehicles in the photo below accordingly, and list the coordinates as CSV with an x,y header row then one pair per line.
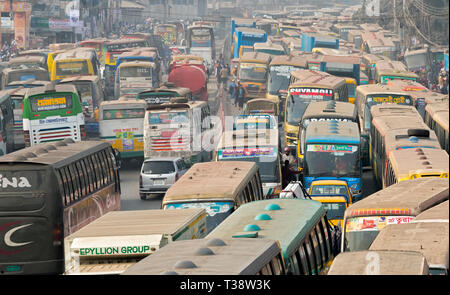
x,y
292,142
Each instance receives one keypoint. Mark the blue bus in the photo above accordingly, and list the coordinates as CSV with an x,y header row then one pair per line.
x,y
310,41
333,151
238,23
245,38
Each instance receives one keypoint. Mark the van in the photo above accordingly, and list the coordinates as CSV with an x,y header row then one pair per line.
x,y
157,175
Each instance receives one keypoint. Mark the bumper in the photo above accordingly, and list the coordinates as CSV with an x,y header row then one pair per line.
x,y
154,190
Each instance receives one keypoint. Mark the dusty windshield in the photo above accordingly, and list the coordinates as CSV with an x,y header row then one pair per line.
x,y
279,78
252,72
300,98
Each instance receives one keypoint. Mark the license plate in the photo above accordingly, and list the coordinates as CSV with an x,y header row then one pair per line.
x,y
158,182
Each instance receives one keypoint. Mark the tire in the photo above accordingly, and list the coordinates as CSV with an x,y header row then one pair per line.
x,y
143,197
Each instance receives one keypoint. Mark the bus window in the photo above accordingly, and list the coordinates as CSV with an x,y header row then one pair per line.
x,y
62,187
322,245
276,265
316,250
75,183
294,266
82,178
306,251
69,184
304,264
266,270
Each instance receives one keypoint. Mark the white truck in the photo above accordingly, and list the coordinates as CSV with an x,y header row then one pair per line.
x,y
119,239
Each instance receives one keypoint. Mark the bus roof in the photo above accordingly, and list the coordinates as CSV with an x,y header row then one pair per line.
x,y
267,45
438,212
136,63
248,138
440,112
389,263
144,51
211,180
393,109
332,132
138,222
250,30
22,68
397,68
90,78
176,105
208,257
51,88
27,59
427,161
418,91
168,87
20,92
126,40
313,78
289,60
124,100
77,53
411,137
409,197
428,238
386,124
63,46
371,89
331,109
56,154
255,57
284,220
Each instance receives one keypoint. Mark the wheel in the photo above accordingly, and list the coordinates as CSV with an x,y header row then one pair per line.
x,y
143,197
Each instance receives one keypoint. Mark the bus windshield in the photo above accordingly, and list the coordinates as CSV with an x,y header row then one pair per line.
x,y
337,160
200,37
335,210
351,89
168,117
300,99
329,190
252,71
132,72
372,100
123,114
360,232
50,102
279,78
69,68
265,157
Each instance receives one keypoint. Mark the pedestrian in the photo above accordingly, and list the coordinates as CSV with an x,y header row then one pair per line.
x,y
218,77
430,79
224,76
232,91
240,95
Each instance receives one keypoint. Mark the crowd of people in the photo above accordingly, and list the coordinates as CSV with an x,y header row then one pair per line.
x,y
9,50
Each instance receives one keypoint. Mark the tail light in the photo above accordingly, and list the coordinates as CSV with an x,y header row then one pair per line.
x,y
57,234
26,136
83,131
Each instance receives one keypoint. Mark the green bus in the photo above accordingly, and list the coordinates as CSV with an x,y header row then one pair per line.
x,y
52,113
300,226
386,70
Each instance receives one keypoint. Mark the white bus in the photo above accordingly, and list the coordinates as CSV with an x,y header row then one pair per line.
x,y
121,123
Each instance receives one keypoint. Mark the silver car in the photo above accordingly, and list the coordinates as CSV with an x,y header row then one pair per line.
x,y
157,175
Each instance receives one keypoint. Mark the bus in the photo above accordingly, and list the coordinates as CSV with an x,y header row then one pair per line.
x,y
393,128
389,263
172,130
133,77
411,163
23,73
419,93
368,62
6,123
164,93
252,73
269,48
305,87
437,117
58,188
280,69
261,106
17,96
428,237
218,187
366,97
201,41
148,54
213,257
342,66
333,151
80,61
121,123
31,61
97,44
300,226
261,146
30,83
244,39
52,113
390,70
323,111
335,206
398,203
168,32
363,79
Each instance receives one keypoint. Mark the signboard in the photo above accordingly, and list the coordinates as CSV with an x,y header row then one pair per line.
x,y
247,152
389,99
311,92
331,148
50,103
374,223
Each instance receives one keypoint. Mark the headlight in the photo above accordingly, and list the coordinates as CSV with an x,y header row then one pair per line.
x,y
444,175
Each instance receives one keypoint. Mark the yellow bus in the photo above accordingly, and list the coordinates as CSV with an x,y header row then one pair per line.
x,y
398,203
351,89
308,86
218,187
437,118
75,62
252,73
415,163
